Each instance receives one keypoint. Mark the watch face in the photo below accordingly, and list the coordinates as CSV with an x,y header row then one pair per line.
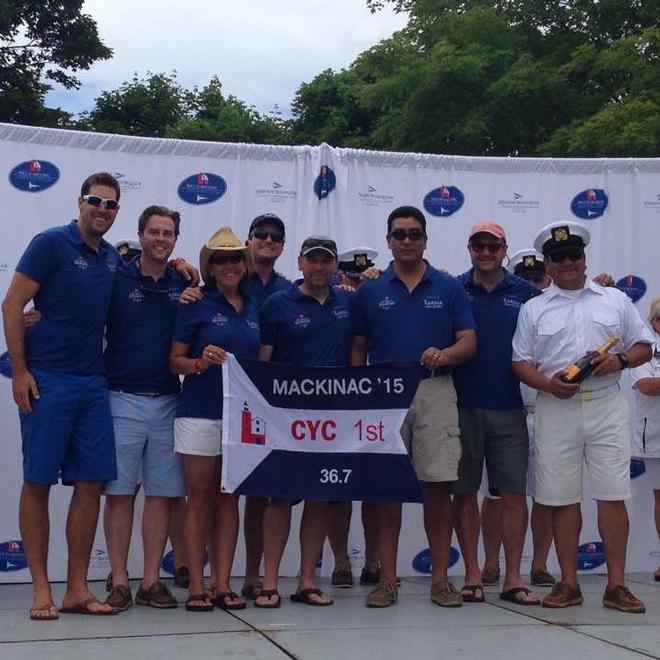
x,y
623,358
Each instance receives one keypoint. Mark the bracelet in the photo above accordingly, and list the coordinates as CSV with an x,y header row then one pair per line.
x,y
197,366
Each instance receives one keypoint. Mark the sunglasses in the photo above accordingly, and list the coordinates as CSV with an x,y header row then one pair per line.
x,y
572,254
411,234
222,259
479,247
276,237
94,200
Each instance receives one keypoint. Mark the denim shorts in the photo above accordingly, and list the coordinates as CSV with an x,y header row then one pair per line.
x,y
145,446
68,434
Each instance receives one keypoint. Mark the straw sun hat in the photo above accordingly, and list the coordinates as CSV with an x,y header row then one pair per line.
x,y
226,241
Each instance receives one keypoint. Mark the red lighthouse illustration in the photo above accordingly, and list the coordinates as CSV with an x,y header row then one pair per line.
x,y
253,429
202,179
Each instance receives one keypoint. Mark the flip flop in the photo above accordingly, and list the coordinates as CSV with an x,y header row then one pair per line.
x,y
471,595
53,613
251,591
511,595
304,598
205,598
83,608
219,600
268,593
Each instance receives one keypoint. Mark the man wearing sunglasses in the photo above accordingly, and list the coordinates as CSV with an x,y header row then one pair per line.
x,y
60,387
414,312
586,422
491,414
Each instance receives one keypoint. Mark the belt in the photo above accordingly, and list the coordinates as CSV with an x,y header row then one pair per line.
x,y
152,395
590,395
434,373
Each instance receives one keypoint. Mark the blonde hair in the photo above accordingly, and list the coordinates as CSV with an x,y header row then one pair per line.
x,y
655,309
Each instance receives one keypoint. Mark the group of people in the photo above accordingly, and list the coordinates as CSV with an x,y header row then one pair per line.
x,y
111,421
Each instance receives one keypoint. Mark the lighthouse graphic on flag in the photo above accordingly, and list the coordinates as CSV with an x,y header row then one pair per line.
x,y
253,429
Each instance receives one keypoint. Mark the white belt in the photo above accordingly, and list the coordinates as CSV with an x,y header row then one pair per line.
x,y
590,395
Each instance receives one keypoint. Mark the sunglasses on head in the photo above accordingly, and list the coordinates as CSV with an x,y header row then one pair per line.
x,y
221,259
262,235
478,246
572,254
410,234
95,200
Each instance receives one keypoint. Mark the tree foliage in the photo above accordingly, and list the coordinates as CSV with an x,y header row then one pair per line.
x,y
43,42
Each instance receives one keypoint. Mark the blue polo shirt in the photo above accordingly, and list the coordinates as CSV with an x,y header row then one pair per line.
x,y
487,381
139,331
256,289
401,325
75,287
213,320
305,333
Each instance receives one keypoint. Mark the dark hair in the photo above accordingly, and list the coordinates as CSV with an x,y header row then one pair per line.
x,y
100,179
158,210
406,212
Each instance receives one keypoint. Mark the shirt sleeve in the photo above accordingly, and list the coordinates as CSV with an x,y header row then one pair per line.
x,y
186,323
359,316
463,314
523,338
642,371
268,322
39,260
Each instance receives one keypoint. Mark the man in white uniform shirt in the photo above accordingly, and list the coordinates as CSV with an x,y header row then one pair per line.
x,y
587,421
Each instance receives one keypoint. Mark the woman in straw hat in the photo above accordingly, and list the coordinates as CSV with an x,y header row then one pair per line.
x,y
224,321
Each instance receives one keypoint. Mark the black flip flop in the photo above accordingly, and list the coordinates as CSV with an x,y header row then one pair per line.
x,y
511,596
207,607
219,601
304,598
268,593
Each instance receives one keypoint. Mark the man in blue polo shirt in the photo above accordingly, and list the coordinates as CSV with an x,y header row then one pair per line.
x,y
143,396
309,325
492,415
414,312
60,388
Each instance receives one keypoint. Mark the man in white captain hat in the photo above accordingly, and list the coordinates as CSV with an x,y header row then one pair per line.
x,y
587,421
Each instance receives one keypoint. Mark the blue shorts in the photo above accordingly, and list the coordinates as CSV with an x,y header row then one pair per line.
x,y
145,446
68,434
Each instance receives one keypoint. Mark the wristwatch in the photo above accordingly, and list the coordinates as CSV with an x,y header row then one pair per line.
x,y
625,361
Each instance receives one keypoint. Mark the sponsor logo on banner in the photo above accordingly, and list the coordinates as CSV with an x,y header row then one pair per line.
x,y
325,182
34,175
169,566
277,193
125,183
519,203
5,365
591,555
422,560
590,203
317,433
12,556
372,197
637,468
652,204
99,559
444,201
202,188
633,286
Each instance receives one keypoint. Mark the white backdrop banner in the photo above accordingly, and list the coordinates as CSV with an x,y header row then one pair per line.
x,y
346,194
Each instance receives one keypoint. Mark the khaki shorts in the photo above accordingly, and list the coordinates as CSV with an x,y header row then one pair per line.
x,y
430,430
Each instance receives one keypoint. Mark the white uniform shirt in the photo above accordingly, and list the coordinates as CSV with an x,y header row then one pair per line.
x,y
558,327
646,437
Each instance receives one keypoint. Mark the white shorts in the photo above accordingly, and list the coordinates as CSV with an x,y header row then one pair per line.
x,y
198,436
570,431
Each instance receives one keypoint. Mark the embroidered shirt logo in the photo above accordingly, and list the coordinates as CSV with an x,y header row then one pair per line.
x,y
433,303
136,296
386,303
81,262
302,321
219,319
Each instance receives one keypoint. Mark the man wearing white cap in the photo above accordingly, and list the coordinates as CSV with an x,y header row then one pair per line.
x,y
586,421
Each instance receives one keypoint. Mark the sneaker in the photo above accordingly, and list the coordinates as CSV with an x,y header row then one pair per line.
x,y
384,595
120,597
542,578
622,599
157,595
369,577
490,575
341,578
563,595
445,595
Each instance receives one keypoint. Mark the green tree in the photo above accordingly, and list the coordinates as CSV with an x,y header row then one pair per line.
x,y
41,43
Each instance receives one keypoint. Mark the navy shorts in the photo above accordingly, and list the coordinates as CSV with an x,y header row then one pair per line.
x,y
68,434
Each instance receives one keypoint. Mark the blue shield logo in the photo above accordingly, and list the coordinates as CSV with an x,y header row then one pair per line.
x,y
444,201
589,204
422,560
634,287
34,176
202,188
12,556
591,555
5,365
637,468
325,182
168,565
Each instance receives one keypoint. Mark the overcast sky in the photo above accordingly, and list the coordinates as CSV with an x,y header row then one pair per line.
x,y
261,50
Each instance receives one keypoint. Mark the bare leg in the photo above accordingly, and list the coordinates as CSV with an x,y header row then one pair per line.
x,y
338,530
566,525
466,522
80,531
613,528
35,532
491,531
438,522
253,527
370,524
225,538
177,514
277,523
313,530
155,523
514,527
389,527
541,523
117,526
